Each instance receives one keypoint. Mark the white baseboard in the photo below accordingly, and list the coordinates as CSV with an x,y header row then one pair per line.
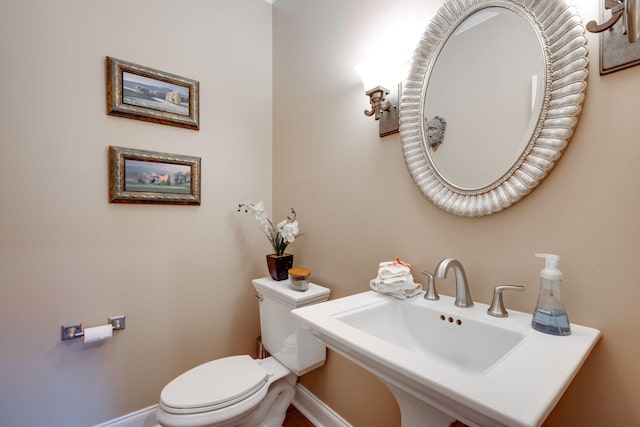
x,y
311,407
142,418
316,410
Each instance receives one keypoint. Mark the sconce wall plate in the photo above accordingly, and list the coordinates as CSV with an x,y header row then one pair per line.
x,y
389,120
619,33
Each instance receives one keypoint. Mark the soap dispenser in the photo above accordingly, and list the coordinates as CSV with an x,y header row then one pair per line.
x,y
550,315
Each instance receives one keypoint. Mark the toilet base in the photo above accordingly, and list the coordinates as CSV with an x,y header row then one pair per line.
x,y
273,409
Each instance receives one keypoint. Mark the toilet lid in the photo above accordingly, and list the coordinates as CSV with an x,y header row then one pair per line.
x,y
214,385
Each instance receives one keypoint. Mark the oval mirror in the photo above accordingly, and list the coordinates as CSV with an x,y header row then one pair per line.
x,y
492,98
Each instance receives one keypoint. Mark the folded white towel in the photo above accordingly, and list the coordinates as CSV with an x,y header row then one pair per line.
x,y
401,291
394,278
388,271
382,285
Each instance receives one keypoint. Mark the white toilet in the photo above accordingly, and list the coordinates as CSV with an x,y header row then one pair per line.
x,y
246,392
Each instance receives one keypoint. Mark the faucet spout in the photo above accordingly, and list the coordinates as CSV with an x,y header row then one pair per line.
x,y
463,296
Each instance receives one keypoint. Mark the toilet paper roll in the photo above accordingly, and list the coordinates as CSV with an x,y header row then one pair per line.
x,y
97,333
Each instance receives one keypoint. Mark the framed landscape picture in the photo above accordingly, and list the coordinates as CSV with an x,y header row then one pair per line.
x,y
142,93
138,176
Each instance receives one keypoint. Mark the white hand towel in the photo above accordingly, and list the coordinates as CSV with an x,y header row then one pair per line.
x,y
385,272
394,278
406,290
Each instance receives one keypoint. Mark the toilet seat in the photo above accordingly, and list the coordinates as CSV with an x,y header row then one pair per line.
x,y
214,385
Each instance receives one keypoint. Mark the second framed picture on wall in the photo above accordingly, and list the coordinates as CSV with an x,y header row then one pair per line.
x,y
140,176
138,92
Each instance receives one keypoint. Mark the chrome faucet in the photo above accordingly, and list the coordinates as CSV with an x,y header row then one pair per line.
x,y
463,297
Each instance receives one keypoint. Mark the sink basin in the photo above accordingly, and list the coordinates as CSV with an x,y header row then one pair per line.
x,y
462,342
446,363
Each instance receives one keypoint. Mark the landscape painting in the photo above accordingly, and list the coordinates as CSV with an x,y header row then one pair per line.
x,y
139,176
156,177
155,94
142,93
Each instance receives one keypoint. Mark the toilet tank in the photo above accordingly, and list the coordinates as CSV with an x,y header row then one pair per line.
x,y
290,344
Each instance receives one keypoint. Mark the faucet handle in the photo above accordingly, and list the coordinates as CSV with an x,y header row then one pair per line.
x,y
497,305
431,293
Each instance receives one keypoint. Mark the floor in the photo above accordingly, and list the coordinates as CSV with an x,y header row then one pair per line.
x,y
296,419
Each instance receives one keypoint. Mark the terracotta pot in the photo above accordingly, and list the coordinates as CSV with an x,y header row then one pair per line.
x,y
279,265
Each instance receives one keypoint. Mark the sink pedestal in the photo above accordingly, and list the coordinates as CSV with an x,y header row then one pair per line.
x,y
416,413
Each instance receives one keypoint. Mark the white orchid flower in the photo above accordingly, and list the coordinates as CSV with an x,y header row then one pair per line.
x,y
282,234
290,231
257,207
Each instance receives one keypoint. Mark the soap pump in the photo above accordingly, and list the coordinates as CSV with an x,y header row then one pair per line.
x,y
550,315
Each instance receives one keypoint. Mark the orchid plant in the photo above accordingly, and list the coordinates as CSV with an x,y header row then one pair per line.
x,y
279,236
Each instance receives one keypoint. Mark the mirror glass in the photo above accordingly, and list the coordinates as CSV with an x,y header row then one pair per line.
x,y
493,95
475,70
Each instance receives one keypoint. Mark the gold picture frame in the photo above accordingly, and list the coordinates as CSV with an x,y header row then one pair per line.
x,y
139,176
142,93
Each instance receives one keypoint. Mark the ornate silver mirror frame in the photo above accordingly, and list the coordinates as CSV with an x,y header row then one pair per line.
x,y
561,34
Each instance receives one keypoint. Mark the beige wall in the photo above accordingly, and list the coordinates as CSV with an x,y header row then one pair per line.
x,y
181,274
358,205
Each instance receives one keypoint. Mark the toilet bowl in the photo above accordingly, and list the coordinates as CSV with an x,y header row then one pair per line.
x,y
246,392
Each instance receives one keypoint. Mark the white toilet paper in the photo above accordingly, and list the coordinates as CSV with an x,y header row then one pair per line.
x,y
97,333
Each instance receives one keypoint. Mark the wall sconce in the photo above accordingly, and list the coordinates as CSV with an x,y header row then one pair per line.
x,y
379,102
628,10
376,76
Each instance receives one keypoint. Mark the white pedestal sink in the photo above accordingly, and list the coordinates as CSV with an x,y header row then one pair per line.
x,y
446,363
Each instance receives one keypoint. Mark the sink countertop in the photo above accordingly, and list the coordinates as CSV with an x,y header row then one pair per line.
x,y
520,389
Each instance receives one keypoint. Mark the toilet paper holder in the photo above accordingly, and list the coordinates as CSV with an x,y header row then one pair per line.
x,y
70,332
